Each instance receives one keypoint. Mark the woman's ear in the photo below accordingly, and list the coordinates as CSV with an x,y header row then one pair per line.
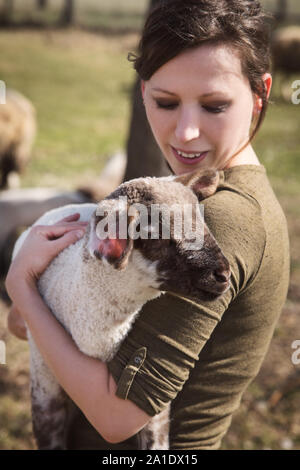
x,y
267,79
258,103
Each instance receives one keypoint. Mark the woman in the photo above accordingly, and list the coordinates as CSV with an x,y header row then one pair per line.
x,y
205,76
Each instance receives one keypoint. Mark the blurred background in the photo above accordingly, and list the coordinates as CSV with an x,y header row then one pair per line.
x,y
73,128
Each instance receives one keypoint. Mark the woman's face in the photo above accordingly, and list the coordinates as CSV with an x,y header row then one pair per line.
x,y
200,107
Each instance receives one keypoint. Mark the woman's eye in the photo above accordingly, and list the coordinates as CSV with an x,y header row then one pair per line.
x,y
163,105
216,109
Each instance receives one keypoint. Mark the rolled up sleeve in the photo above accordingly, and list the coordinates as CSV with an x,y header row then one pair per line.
x,y
154,362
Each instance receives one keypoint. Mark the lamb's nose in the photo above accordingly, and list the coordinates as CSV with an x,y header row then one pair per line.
x,y
222,275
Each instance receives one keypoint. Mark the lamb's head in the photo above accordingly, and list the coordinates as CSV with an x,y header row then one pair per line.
x,y
158,225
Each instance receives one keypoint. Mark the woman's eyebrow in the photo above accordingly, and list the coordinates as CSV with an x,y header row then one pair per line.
x,y
163,91
205,95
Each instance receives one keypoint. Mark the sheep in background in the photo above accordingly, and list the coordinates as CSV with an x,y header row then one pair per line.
x,y
17,134
286,49
111,176
286,54
20,207
97,286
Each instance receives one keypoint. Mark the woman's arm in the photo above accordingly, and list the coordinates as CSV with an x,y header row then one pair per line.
x,y
86,380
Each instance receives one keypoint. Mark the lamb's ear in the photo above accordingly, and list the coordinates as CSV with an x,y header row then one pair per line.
x,y
116,249
204,183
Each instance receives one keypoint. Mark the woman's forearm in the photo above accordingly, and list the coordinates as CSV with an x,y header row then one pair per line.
x,y
85,379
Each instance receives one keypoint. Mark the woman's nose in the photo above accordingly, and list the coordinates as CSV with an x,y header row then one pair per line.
x,y
188,126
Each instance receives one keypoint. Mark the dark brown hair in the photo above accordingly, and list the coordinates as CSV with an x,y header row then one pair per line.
x,y
177,25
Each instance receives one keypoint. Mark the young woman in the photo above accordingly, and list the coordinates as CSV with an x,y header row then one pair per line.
x,y
204,67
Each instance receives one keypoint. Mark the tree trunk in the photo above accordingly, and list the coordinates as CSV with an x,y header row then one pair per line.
x,y
144,157
42,4
67,15
282,8
6,13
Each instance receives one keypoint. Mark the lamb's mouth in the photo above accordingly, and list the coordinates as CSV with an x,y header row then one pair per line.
x,y
213,293
201,293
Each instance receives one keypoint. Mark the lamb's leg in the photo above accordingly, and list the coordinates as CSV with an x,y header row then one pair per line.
x,y
155,435
48,403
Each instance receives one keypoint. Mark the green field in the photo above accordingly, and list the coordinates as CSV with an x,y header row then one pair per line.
x,y
80,84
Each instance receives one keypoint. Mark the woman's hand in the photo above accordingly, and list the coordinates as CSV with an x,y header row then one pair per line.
x,y
42,244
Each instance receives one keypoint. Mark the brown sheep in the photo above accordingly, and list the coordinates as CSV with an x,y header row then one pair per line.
x,y
17,134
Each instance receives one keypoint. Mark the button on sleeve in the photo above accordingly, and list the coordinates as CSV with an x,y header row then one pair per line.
x,y
134,364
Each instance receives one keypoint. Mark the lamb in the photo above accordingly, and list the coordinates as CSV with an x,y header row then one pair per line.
x,y
111,278
17,134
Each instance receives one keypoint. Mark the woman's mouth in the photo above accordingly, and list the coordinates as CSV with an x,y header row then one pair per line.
x,y
189,158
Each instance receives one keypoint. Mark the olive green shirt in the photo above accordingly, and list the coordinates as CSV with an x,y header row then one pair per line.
x,y
202,356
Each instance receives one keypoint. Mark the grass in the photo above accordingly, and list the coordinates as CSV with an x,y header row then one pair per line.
x,y
278,145
104,15
80,83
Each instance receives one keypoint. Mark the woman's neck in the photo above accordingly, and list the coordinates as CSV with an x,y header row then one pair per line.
x,y
246,157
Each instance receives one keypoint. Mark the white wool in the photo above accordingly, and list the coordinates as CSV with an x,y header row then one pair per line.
x,y
95,302
97,305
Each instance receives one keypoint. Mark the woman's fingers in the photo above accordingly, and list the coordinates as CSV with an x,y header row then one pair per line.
x,y
41,246
71,218
52,232
66,237
43,243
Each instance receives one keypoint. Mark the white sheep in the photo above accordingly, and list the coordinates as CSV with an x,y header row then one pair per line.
x,y
97,286
17,134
